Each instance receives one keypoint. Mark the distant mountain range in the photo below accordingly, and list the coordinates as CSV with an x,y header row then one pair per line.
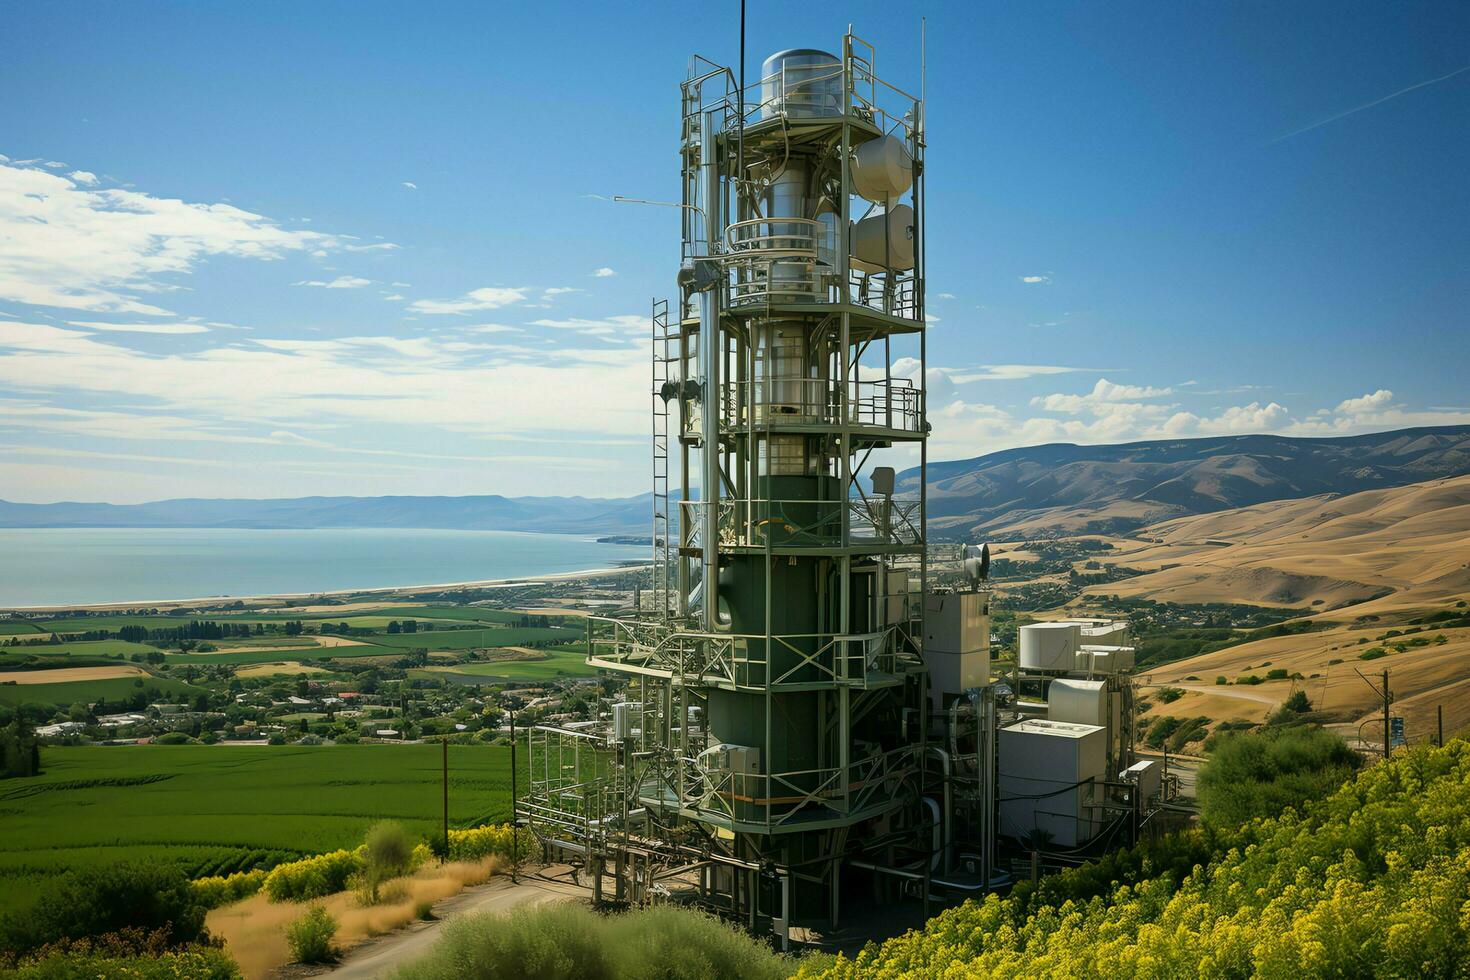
x,y
1018,492
1075,489
555,515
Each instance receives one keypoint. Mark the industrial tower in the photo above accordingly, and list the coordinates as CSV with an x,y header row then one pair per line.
x,y
779,697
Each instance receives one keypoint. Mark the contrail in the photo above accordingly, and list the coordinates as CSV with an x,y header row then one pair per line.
x,y
1368,105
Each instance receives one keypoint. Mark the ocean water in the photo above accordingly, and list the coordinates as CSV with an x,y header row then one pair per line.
x,y
66,566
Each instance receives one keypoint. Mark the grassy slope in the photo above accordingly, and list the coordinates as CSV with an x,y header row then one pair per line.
x,y
222,808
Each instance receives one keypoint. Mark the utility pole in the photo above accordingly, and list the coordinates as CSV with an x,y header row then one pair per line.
x,y
1387,697
514,837
445,745
1387,700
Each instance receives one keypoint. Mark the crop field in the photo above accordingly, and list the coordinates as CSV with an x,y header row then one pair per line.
x,y
70,692
223,808
499,636
375,618
283,651
558,663
80,648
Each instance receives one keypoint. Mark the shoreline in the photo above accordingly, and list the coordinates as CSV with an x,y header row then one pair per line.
x,y
407,590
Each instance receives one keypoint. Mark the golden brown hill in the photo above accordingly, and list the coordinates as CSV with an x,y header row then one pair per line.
x,y
1378,550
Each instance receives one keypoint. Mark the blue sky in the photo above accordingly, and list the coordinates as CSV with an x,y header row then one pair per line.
x,y
277,249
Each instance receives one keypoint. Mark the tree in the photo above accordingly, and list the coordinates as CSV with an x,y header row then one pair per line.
x,y
1260,774
410,626
393,627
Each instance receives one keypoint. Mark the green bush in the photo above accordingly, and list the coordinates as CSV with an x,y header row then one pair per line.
x,y
1169,695
310,937
223,890
154,898
387,852
1222,679
1277,674
1373,653
132,954
1260,774
313,877
1250,679
566,941
1370,881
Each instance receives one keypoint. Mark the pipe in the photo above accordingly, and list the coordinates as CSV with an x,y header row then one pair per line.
x,y
944,758
709,354
963,886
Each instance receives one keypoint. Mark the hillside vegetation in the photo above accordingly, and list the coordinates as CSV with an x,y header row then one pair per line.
x,y
1374,879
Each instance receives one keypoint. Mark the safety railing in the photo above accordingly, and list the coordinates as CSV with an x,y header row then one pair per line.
x,y
760,523
774,800
895,404
749,661
887,291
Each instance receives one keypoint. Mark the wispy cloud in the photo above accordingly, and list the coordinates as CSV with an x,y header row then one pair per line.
x,y
66,244
410,185
603,272
341,282
1036,280
168,327
1369,105
484,298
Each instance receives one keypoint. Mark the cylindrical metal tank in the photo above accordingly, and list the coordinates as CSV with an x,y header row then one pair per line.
x,y
882,169
801,82
1049,646
885,240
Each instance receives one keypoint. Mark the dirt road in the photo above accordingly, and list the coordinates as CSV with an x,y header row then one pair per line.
x,y
380,957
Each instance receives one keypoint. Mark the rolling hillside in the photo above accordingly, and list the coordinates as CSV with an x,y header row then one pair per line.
x,y
1400,548
1384,573
1066,489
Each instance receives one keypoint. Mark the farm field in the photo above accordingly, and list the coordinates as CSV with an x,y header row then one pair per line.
x,y
78,648
223,808
112,689
558,663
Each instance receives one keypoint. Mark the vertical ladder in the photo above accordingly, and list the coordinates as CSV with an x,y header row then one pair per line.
x,y
662,566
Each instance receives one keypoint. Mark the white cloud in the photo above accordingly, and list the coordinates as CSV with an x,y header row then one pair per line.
x,y
536,392
83,177
64,245
559,290
989,372
341,282
166,327
1103,393
603,273
394,297
1366,404
945,296
410,185
1236,420
630,323
1036,280
485,298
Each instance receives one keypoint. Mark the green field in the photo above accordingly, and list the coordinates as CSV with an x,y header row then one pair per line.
x,y
372,619
558,663
81,648
69,692
499,636
221,808
283,652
